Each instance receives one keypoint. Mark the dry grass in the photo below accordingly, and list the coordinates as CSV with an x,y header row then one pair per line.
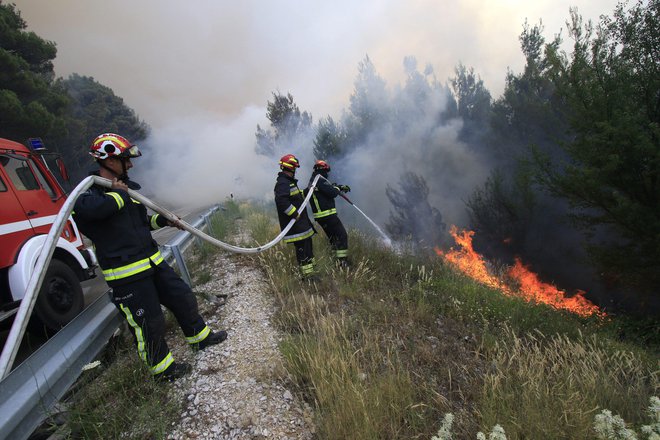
x,y
366,347
552,387
359,390
387,347
99,410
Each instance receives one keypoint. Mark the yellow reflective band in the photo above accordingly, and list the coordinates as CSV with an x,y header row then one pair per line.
x,y
157,258
294,192
342,253
307,269
163,365
137,202
199,337
325,213
290,210
139,337
316,209
297,237
118,199
118,273
154,223
113,139
126,271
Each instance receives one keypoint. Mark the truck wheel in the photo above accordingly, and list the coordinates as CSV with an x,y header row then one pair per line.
x,y
60,298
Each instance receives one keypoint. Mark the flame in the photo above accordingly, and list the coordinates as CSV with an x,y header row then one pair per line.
x,y
529,287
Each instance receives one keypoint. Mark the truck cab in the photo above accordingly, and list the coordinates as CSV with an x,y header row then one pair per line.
x,y
30,199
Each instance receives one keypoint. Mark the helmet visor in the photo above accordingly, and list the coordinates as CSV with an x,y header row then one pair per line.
x,y
133,151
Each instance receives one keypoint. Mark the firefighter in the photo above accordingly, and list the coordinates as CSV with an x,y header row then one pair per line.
x,y
141,280
325,213
288,198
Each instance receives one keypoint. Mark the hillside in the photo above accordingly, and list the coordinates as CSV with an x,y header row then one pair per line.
x,y
382,350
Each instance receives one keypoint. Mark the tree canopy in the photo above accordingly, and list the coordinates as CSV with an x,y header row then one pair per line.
x,y
29,104
610,84
287,125
66,113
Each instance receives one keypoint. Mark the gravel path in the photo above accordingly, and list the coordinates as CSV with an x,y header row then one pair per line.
x,y
237,389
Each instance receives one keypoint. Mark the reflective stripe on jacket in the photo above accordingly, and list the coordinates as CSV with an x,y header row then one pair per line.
x,y
121,231
323,199
288,199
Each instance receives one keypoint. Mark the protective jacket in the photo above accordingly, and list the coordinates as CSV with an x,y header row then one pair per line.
x,y
140,278
323,199
325,214
121,231
288,199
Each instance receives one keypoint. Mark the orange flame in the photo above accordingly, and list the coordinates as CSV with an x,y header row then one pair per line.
x,y
468,261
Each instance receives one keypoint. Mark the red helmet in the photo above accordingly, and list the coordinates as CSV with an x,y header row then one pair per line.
x,y
288,162
110,144
321,165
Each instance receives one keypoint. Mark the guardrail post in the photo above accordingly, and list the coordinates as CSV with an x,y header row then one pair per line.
x,y
181,263
207,219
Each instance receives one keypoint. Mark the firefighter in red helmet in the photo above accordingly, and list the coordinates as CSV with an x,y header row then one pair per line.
x,y
325,212
141,280
288,199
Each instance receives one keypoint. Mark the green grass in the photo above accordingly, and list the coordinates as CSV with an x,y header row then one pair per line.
x,y
426,340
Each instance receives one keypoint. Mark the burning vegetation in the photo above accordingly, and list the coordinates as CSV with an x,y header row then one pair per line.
x,y
520,281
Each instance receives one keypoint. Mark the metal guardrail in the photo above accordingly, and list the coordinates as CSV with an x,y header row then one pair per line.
x,y
30,390
175,248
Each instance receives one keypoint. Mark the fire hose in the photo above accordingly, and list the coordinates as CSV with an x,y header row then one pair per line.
x,y
196,232
36,279
386,239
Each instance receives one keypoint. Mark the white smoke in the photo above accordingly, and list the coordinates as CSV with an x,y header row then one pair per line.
x,y
200,74
202,160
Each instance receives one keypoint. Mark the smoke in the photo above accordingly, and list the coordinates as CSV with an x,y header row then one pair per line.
x,y
167,58
201,73
427,149
201,161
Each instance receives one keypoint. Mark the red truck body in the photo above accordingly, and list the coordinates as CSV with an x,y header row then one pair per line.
x,y
30,200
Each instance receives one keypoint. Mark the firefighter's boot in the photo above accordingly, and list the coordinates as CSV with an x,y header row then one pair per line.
x,y
212,339
344,262
312,279
174,372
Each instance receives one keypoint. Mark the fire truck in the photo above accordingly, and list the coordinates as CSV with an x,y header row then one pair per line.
x,y
30,199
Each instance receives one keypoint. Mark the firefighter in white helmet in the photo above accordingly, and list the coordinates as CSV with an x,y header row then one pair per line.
x,y
141,280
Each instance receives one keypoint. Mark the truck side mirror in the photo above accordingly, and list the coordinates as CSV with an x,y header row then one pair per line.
x,y
63,171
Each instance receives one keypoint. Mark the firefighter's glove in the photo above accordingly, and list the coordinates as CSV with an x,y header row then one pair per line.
x,y
175,224
344,188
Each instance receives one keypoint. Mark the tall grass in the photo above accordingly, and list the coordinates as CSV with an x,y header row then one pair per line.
x,y
360,391
422,340
552,387
124,402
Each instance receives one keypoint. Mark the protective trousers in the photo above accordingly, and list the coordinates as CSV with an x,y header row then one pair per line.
x,y
305,256
336,233
139,302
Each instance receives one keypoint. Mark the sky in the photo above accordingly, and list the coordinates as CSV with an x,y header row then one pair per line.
x,y
200,73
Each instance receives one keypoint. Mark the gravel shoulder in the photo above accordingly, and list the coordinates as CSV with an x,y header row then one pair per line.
x,y
238,389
